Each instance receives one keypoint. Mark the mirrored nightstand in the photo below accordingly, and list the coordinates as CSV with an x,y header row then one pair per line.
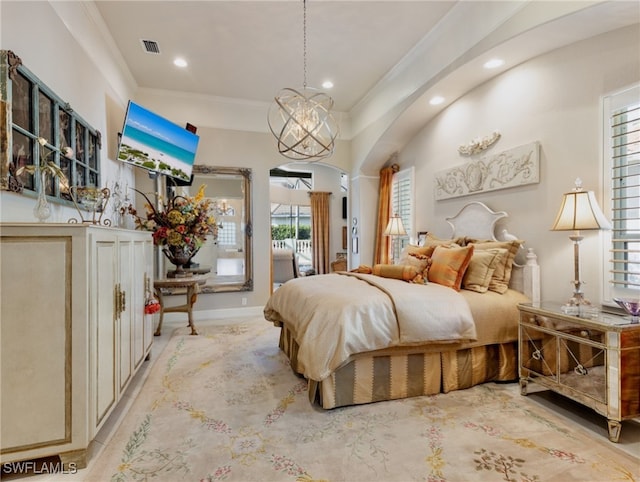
x,y
593,360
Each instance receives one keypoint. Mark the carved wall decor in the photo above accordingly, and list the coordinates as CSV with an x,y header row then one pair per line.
x,y
479,144
515,167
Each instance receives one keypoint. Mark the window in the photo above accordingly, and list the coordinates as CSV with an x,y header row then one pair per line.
x,y
402,205
622,173
37,112
291,213
227,235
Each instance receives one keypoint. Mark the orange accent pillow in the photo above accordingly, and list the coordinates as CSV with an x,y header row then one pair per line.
x,y
363,268
448,265
398,271
418,256
413,249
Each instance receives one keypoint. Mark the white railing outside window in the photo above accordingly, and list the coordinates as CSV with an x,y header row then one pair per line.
x,y
302,248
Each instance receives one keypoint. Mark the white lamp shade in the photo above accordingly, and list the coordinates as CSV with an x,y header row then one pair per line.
x,y
395,227
580,211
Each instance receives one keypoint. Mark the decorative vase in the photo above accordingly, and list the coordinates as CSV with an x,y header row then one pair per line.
x,y
189,263
42,210
631,306
179,256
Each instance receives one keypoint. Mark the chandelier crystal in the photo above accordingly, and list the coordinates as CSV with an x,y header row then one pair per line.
x,y
301,121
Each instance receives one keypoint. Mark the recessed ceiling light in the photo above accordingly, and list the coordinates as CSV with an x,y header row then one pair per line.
x,y
438,99
327,84
180,62
493,63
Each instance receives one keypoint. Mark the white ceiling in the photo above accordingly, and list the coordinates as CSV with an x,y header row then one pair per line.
x,y
252,49
386,58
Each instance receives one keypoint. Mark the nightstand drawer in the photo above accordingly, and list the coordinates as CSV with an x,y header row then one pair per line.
x,y
574,358
558,325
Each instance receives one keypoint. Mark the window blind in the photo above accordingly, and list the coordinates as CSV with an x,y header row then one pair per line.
x,y
625,177
402,205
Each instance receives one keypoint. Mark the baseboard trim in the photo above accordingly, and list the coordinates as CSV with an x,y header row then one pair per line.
x,y
217,314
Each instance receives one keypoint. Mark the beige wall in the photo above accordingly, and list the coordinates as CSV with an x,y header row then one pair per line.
x,y
554,99
51,53
100,96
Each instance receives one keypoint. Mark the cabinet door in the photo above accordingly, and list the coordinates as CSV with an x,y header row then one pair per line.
x,y
35,336
582,357
569,356
149,319
126,311
105,291
538,353
139,278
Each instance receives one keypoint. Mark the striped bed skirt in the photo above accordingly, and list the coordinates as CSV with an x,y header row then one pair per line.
x,y
406,372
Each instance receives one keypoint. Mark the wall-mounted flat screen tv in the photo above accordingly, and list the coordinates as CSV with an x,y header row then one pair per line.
x,y
154,143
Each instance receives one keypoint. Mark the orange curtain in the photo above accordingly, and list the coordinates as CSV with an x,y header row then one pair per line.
x,y
320,230
381,253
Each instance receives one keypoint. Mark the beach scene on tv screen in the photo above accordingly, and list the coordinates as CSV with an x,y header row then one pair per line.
x,y
154,143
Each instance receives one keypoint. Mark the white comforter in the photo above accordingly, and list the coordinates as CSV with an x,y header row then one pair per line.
x,y
335,316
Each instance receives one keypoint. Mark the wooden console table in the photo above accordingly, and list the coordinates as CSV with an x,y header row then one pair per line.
x,y
192,284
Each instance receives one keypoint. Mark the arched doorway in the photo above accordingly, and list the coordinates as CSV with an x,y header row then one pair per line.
x,y
291,214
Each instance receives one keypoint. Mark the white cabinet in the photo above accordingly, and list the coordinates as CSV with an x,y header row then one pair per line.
x,y
72,333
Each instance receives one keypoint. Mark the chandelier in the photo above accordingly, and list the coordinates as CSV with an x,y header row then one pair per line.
x,y
222,208
301,121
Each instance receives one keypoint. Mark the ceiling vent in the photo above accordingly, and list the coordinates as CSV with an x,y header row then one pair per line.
x,y
150,46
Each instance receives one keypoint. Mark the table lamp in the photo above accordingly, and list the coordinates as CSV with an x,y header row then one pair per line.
x,y
579,211
394,229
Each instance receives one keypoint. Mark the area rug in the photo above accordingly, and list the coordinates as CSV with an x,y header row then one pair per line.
x,y
225,405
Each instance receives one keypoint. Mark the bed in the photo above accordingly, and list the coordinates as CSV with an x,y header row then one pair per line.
x,y
367,336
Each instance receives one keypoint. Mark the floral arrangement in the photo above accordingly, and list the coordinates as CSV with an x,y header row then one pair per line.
x,y
184,222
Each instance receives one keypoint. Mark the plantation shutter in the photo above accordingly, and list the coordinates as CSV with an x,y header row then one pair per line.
x,y
625,176
402,205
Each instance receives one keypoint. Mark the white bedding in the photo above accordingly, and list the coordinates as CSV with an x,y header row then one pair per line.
x,y
335,316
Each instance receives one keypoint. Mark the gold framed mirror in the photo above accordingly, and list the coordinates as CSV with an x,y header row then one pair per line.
x,y
230,255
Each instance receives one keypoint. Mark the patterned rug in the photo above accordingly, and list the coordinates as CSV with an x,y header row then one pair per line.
x,y
225,405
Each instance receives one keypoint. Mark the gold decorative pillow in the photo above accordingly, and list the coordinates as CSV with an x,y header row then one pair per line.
x,y
363,268
421,262
448,265
413,249
398,271
418,256
502,274
431,240
481,268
